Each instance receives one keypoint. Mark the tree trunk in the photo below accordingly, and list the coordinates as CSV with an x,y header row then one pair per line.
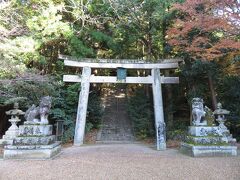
x,y
149,48
212,91
164,43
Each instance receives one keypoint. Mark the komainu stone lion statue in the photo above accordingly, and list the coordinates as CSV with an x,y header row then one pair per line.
x,y
40,113
198,112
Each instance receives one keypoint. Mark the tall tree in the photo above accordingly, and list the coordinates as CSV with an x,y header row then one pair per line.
x,y
141,26
206,30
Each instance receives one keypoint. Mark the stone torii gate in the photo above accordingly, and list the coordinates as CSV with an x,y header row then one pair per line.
x,y
86,78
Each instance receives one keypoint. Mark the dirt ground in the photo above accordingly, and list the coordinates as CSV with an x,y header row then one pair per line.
x,y
121,161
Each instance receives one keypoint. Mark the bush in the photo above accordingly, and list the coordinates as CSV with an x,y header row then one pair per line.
x,y
64,102
95,111
26,92
229,96
179,134
65,108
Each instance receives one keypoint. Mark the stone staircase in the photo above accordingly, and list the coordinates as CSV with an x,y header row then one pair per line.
x,y
116,126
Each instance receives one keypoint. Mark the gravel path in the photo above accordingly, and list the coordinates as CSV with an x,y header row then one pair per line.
x,y
126,161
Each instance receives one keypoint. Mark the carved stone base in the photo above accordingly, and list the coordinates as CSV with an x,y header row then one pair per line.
x,y
35,130
39,140
35,141
203,130
208,151
32,152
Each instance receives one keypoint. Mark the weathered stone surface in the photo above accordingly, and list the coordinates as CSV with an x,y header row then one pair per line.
x,y
4,142
29,147
10,134
34,140
35,130
198,112
40,113
32,152
208,151
158,110
82,107
203,130
207,140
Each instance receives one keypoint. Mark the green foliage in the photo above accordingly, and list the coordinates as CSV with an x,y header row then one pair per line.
x,y
104,41
78,49
26,92
14,54
209,116
65,108
178,134
141,113
195,77
48,23
95,111
139,29
26,28
229,95
64,102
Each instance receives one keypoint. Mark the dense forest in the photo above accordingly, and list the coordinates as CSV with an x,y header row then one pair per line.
x,y
205,34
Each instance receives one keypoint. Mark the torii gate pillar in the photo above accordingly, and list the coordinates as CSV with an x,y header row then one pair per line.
x,y
158,110
82,107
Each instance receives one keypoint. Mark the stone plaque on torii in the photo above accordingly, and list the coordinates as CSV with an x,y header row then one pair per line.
x,y
86,78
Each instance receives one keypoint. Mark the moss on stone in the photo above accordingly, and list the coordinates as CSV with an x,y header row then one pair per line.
x,y
208,144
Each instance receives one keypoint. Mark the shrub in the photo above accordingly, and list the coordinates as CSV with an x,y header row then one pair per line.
x,y
64,102
229,96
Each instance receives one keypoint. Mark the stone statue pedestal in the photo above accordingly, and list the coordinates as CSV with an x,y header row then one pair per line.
x,y
208,150
206,141
35,141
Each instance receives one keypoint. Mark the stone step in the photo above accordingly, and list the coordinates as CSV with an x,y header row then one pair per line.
x,y
110,136
117,142
116,125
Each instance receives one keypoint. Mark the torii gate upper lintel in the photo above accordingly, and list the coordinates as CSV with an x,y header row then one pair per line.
x,y
86,78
